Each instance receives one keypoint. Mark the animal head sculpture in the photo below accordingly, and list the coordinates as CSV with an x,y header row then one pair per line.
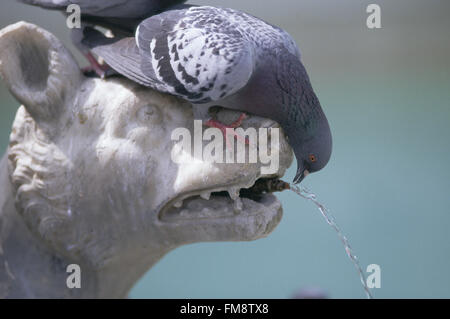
x,y
90,166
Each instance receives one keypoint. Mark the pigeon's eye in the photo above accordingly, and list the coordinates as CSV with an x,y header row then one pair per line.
x,y
312,158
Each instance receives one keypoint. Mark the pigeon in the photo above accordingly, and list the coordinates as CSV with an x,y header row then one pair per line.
x,y
119,16
109,8
214,56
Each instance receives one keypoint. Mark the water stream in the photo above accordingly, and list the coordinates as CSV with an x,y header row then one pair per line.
x,y
305,193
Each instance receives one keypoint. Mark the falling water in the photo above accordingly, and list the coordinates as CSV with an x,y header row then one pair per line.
x,y
305,193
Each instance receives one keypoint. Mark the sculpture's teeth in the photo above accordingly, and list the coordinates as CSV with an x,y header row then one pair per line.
x,y
184,213
237,206
205,195
178,204
234,193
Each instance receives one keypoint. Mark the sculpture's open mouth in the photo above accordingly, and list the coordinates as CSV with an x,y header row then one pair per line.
x,y
235,200
226,202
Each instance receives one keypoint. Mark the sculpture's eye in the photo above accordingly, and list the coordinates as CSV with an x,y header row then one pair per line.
x,y
312,158
148,114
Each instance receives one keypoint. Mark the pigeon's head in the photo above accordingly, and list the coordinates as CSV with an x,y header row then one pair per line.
x,y
313,152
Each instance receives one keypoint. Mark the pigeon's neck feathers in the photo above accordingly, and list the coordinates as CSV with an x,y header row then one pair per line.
x,y
301,107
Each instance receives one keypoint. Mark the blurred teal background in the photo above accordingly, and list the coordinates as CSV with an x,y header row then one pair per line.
x,y
386,93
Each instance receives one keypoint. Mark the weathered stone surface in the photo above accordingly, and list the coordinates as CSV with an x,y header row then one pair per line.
x,y
88,178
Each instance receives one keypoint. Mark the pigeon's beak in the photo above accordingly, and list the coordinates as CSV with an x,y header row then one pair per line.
x,y
300,176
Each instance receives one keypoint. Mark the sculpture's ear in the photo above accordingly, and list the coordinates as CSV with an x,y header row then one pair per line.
x,y
38,70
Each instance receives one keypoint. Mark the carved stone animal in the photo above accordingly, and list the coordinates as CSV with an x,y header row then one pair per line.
x,y
88,178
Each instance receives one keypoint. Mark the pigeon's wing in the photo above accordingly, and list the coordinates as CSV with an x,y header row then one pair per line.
x,y
196,53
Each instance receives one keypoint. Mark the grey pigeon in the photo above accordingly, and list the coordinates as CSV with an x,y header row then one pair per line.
x,y
216,56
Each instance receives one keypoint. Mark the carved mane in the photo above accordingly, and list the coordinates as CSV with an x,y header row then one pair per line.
x,y
36,167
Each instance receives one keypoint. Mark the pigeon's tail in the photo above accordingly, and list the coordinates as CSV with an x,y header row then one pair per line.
x,y
122,55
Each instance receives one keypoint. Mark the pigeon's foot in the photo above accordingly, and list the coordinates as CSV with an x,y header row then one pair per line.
x,y
223,127
101,70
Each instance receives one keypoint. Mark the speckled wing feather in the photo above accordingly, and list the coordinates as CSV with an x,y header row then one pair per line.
x,y
196,53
